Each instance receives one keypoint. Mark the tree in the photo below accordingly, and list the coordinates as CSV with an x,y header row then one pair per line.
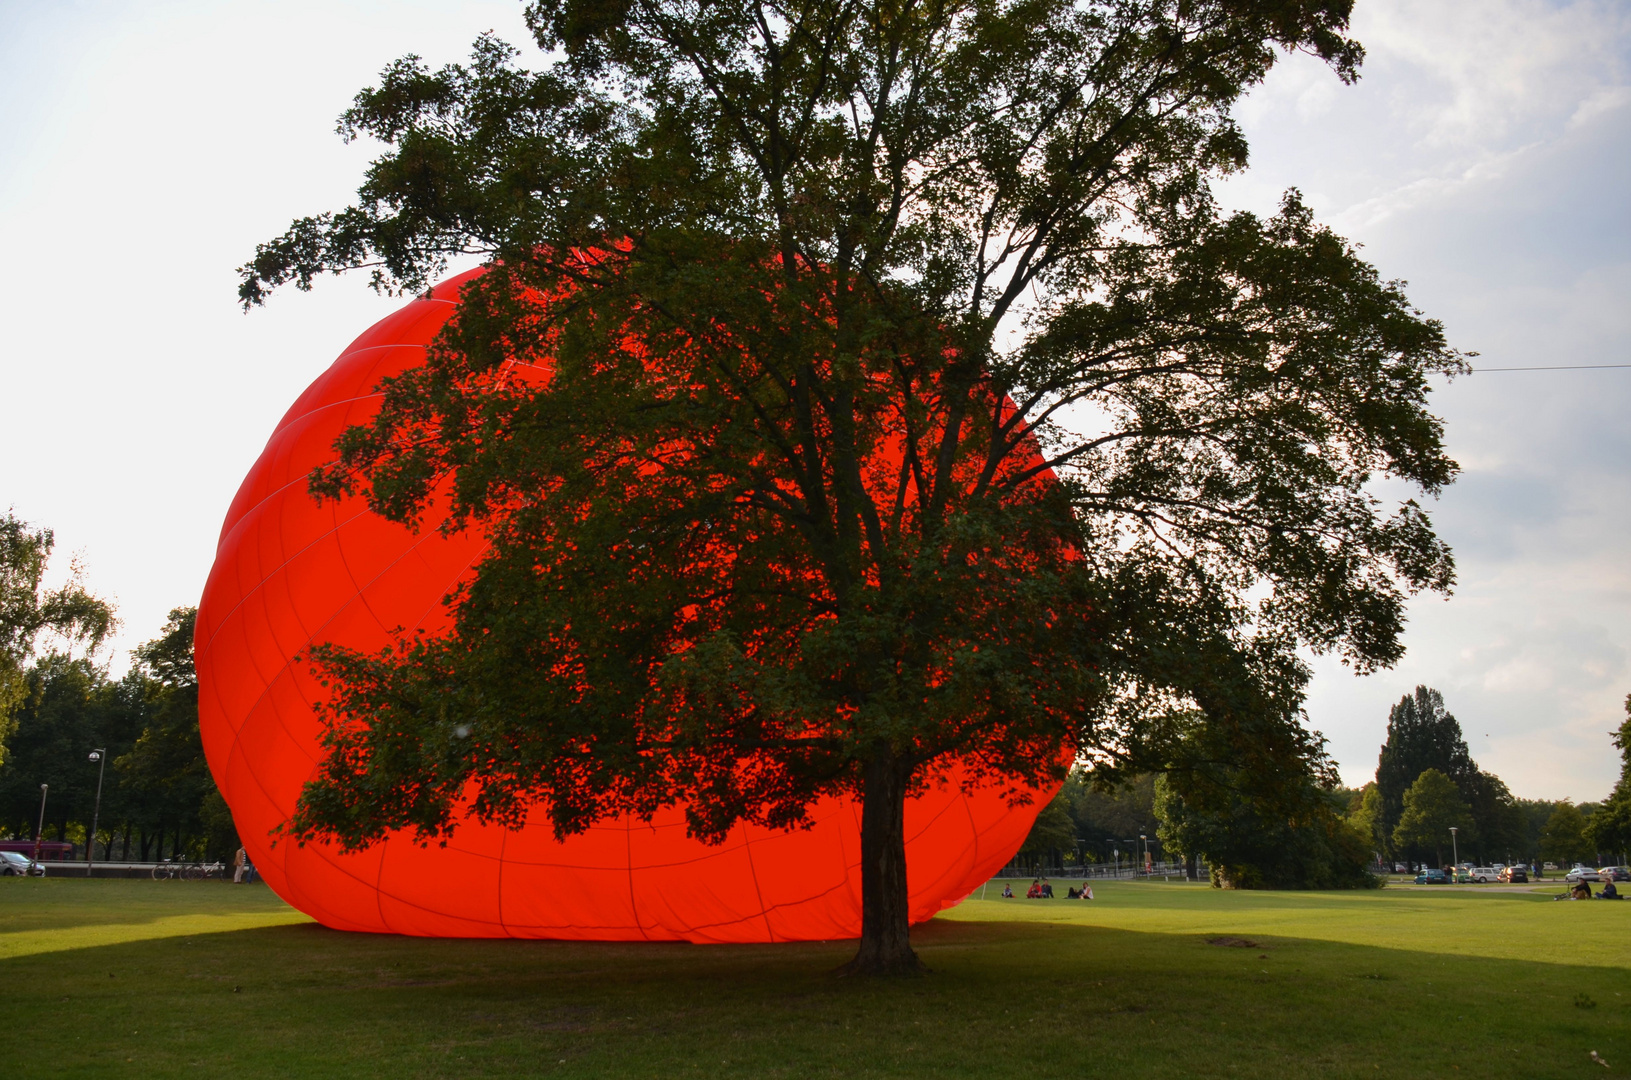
x,y
1368,820
1422,734
165,770
1113,814
27,610
1052,833
1250,846
1259,827
788,316
1609,829
157,784
69,708
1563,841
1432,807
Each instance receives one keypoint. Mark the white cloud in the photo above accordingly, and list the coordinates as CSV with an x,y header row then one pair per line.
x,y
1485,155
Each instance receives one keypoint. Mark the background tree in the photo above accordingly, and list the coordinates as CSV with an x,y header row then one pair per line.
x,y
1432,807
1422,734
1609,829
164,771
28,610
1052,834
1369,821
787,268
158,799
1250,846
69,709
1280,829
1111,816
1563,841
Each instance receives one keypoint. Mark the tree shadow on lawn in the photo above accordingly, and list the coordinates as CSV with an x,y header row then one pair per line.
x,y
1045,999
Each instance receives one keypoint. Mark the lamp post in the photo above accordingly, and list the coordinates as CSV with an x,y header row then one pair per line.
x,y
1115,851
1455,854
1146,842
100,757
41,826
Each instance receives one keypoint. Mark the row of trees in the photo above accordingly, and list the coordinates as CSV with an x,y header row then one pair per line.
x,y
1426,784
59,704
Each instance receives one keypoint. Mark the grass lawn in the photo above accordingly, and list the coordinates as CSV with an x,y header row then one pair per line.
x,y
127,978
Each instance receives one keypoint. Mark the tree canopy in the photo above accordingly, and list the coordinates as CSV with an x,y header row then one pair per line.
x,y
1422,734
1432,807
1609,828
158,796
855,390
28,609
1563,840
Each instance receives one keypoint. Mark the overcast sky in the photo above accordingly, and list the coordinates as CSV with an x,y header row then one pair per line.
x,y
1484,156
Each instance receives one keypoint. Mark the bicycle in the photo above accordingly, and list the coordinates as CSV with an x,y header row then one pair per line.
x,y
188,871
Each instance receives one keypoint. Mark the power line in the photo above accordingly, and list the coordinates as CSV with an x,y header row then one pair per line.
x,y
1553,367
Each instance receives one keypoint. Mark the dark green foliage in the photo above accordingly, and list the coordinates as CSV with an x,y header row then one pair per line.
x,y
1251,846
1260,828
1432,807
769,531
1609,828
1052,835
27,611
1563,841
164,774
70,709
157,796
1108,818
1421,735
1366,817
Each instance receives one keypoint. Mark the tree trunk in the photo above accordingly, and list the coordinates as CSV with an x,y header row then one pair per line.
x,y
1189,868
886,946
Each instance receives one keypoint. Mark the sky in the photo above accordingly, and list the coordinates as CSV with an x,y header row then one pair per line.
x,y
1484,157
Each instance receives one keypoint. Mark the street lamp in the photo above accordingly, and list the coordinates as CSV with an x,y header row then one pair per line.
x,y
41,826
1146,842
1116,852
1455,855
100,757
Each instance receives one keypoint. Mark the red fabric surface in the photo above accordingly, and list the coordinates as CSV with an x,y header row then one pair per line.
x,y
288,572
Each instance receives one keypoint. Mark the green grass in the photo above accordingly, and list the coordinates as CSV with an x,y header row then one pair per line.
x,y
124,978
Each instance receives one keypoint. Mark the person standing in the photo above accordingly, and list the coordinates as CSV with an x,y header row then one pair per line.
x,y
238,862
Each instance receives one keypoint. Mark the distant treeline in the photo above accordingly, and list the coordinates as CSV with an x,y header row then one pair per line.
x,y
1426,783
158,799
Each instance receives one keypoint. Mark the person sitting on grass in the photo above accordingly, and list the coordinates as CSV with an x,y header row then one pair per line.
x,y
1047,890
1609,891
1087,891
1581,891
1035,891
1007,891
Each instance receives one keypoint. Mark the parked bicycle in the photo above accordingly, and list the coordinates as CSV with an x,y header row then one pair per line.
x,y
171,870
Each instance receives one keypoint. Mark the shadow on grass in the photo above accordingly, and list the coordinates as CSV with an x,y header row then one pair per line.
x,y
1037,999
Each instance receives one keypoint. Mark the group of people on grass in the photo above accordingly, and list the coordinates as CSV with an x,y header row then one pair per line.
x,y
1042,889
1581,890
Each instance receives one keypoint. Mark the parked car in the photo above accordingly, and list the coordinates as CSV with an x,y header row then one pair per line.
x,y
1432,877
1463,875
16,864
1484,874
1614,873
1514,875
1582,873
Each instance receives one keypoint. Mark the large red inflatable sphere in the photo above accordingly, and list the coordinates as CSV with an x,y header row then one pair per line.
x,y
289,573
